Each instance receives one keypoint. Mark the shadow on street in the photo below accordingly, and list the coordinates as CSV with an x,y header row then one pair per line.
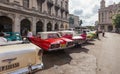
x,y
60,57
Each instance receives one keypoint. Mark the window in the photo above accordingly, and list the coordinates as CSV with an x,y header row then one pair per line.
x,y
26,3
56,1
49,10
39,5
61,14
56,13
102,17
61,4
66,5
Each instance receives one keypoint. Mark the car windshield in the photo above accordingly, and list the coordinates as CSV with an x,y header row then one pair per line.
x,y
49,35
67,33
53,35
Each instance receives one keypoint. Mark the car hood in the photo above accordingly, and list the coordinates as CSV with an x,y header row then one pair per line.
x,y
19,55
77,37
54,41
66,39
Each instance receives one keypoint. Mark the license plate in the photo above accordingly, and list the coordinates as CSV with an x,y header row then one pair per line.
x,y
8,67
63,45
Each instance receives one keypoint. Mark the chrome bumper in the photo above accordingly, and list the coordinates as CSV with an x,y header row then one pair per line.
x,y
61,48
26,70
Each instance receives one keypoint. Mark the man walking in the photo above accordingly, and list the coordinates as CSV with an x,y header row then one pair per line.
x,y
103,32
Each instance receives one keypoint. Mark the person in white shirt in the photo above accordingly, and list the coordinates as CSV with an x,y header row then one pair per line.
x,y
29,34
2,39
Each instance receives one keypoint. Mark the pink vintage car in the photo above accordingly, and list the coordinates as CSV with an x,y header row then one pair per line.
x,y
49,41
73,36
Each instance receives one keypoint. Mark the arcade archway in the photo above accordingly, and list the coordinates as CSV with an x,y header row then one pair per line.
x,y
110,28
49,27
25,26
39,26
5,24
56,27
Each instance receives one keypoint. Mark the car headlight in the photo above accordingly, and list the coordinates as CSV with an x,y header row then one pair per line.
x,y
55,46
70,43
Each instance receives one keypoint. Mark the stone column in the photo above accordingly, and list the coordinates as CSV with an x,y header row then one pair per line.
x,y
30,4
33,26
53,11
53,26
16,25
34,4
45,25
106,28
45,8
114,29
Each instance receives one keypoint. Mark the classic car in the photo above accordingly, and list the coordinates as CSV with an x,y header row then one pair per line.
x,y
49,41
12,36
18,57
91,35
73,36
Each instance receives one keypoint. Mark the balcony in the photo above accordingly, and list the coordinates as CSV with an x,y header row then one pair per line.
x,y
66,10
57,6
50,3
42,1
62,9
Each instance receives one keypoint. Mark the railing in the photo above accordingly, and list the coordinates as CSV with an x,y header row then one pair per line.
x,y
50,1
57,5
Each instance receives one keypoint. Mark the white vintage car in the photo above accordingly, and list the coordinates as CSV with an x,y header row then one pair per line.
x,y
17,57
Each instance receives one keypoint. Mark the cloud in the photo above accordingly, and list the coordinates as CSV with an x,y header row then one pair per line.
x,y
95,9
87,10
78,12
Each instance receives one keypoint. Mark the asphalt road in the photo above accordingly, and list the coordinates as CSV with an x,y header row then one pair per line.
x,y
107,52
95,57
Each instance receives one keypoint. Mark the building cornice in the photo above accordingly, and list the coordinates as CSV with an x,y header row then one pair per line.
x,y
20,9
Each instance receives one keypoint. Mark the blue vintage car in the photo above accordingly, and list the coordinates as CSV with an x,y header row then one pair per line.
x,y
13,36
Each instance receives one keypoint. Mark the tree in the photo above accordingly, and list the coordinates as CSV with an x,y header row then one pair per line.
x,y
80,22
116,21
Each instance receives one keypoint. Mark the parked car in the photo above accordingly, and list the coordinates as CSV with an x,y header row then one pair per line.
x,y
18,57
49,41
12,36
91,35
73,36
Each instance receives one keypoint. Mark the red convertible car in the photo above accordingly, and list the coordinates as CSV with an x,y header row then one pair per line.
x,y
49,41
72,35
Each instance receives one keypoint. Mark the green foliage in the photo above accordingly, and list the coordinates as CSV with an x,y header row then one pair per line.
x,y
81,22
116,21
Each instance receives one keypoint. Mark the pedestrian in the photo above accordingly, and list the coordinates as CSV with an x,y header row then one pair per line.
x,y
2,38
97,34
103,32
29,34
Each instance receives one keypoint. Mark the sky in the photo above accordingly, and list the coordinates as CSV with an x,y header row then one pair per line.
x,y
87,10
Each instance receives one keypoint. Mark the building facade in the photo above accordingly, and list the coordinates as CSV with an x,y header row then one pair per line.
x,y
73,21
106,14
35,15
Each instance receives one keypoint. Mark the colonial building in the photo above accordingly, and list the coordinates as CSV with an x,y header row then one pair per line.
x,y
73,21
106,14
35,15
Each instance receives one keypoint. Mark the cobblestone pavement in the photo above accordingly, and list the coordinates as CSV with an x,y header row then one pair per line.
x,y
95,57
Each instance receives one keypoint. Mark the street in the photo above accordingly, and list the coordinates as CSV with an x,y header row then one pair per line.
x,y
95,57
107,52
